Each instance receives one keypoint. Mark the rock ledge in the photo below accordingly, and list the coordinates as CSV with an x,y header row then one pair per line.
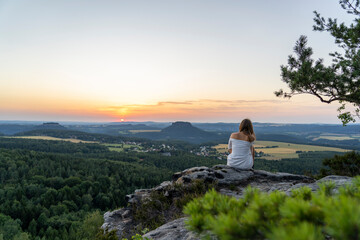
x,y
229,181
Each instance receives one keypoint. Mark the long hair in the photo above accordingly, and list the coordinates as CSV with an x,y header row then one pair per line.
x,y
246,127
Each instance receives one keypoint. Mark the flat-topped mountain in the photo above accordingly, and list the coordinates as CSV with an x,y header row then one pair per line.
x,y
183,131
180,125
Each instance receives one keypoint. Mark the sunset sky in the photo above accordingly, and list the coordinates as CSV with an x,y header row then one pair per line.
x,y
192,60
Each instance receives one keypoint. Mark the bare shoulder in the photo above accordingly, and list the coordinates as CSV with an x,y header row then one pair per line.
x,y
234,135
239,136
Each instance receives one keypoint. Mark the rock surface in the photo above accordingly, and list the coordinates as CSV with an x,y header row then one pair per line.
x,y
337,180
229,181
174,230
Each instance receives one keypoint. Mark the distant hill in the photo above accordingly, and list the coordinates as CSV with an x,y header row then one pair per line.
x,y
10,129
49,125
183,131
111,129
282,138
157,125
132,127
65,133
283,128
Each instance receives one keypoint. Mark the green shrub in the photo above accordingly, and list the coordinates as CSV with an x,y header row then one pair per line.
x,y
345,165
138,236
258,215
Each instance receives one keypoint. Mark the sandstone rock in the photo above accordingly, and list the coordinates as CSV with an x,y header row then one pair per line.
x,y
225,176
119,220
174,230
229,181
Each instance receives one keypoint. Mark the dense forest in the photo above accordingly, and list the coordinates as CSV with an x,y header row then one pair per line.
x,y
309,163
49,188
57,190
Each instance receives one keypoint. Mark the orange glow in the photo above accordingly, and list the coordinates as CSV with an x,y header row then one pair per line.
x,y
48,105
215,110
205,110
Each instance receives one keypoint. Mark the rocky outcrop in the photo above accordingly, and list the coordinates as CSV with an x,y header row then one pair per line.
x,y
228,181
174,230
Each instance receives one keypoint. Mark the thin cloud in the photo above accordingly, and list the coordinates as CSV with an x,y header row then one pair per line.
x,y
204,109
176,103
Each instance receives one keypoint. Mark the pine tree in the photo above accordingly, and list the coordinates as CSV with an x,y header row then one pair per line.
x,y
338,82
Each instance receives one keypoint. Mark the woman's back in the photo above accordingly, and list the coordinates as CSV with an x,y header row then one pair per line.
x,y
241,154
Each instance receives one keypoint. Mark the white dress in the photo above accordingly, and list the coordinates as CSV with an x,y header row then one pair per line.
x,y
241,156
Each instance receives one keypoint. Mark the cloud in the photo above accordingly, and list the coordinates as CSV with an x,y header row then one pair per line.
x,y
176,103
210,110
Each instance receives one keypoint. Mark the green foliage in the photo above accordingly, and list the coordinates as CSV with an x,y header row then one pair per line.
x,y
161,207
345,165
301,231
90,226
343,218
336,82
11,229
51,146
258,215
109,235
138,236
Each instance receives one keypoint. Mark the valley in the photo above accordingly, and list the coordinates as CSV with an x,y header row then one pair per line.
x,y
53,177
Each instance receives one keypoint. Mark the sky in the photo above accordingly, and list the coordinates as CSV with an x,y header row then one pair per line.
x,y
190,60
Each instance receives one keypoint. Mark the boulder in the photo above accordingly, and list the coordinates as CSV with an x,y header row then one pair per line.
x,y
119,220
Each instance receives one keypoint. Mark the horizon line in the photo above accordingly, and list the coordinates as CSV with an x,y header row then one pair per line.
x,y
149,121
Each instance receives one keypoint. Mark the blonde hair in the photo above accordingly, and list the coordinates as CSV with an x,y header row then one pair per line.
x,y
246,127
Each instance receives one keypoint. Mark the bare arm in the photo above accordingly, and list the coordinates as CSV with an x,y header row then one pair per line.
x,y
253,153
230,145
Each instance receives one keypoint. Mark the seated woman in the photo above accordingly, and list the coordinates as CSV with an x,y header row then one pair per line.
x,y
241,147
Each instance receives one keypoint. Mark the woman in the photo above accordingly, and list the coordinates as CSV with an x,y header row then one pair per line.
x,y
241,147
